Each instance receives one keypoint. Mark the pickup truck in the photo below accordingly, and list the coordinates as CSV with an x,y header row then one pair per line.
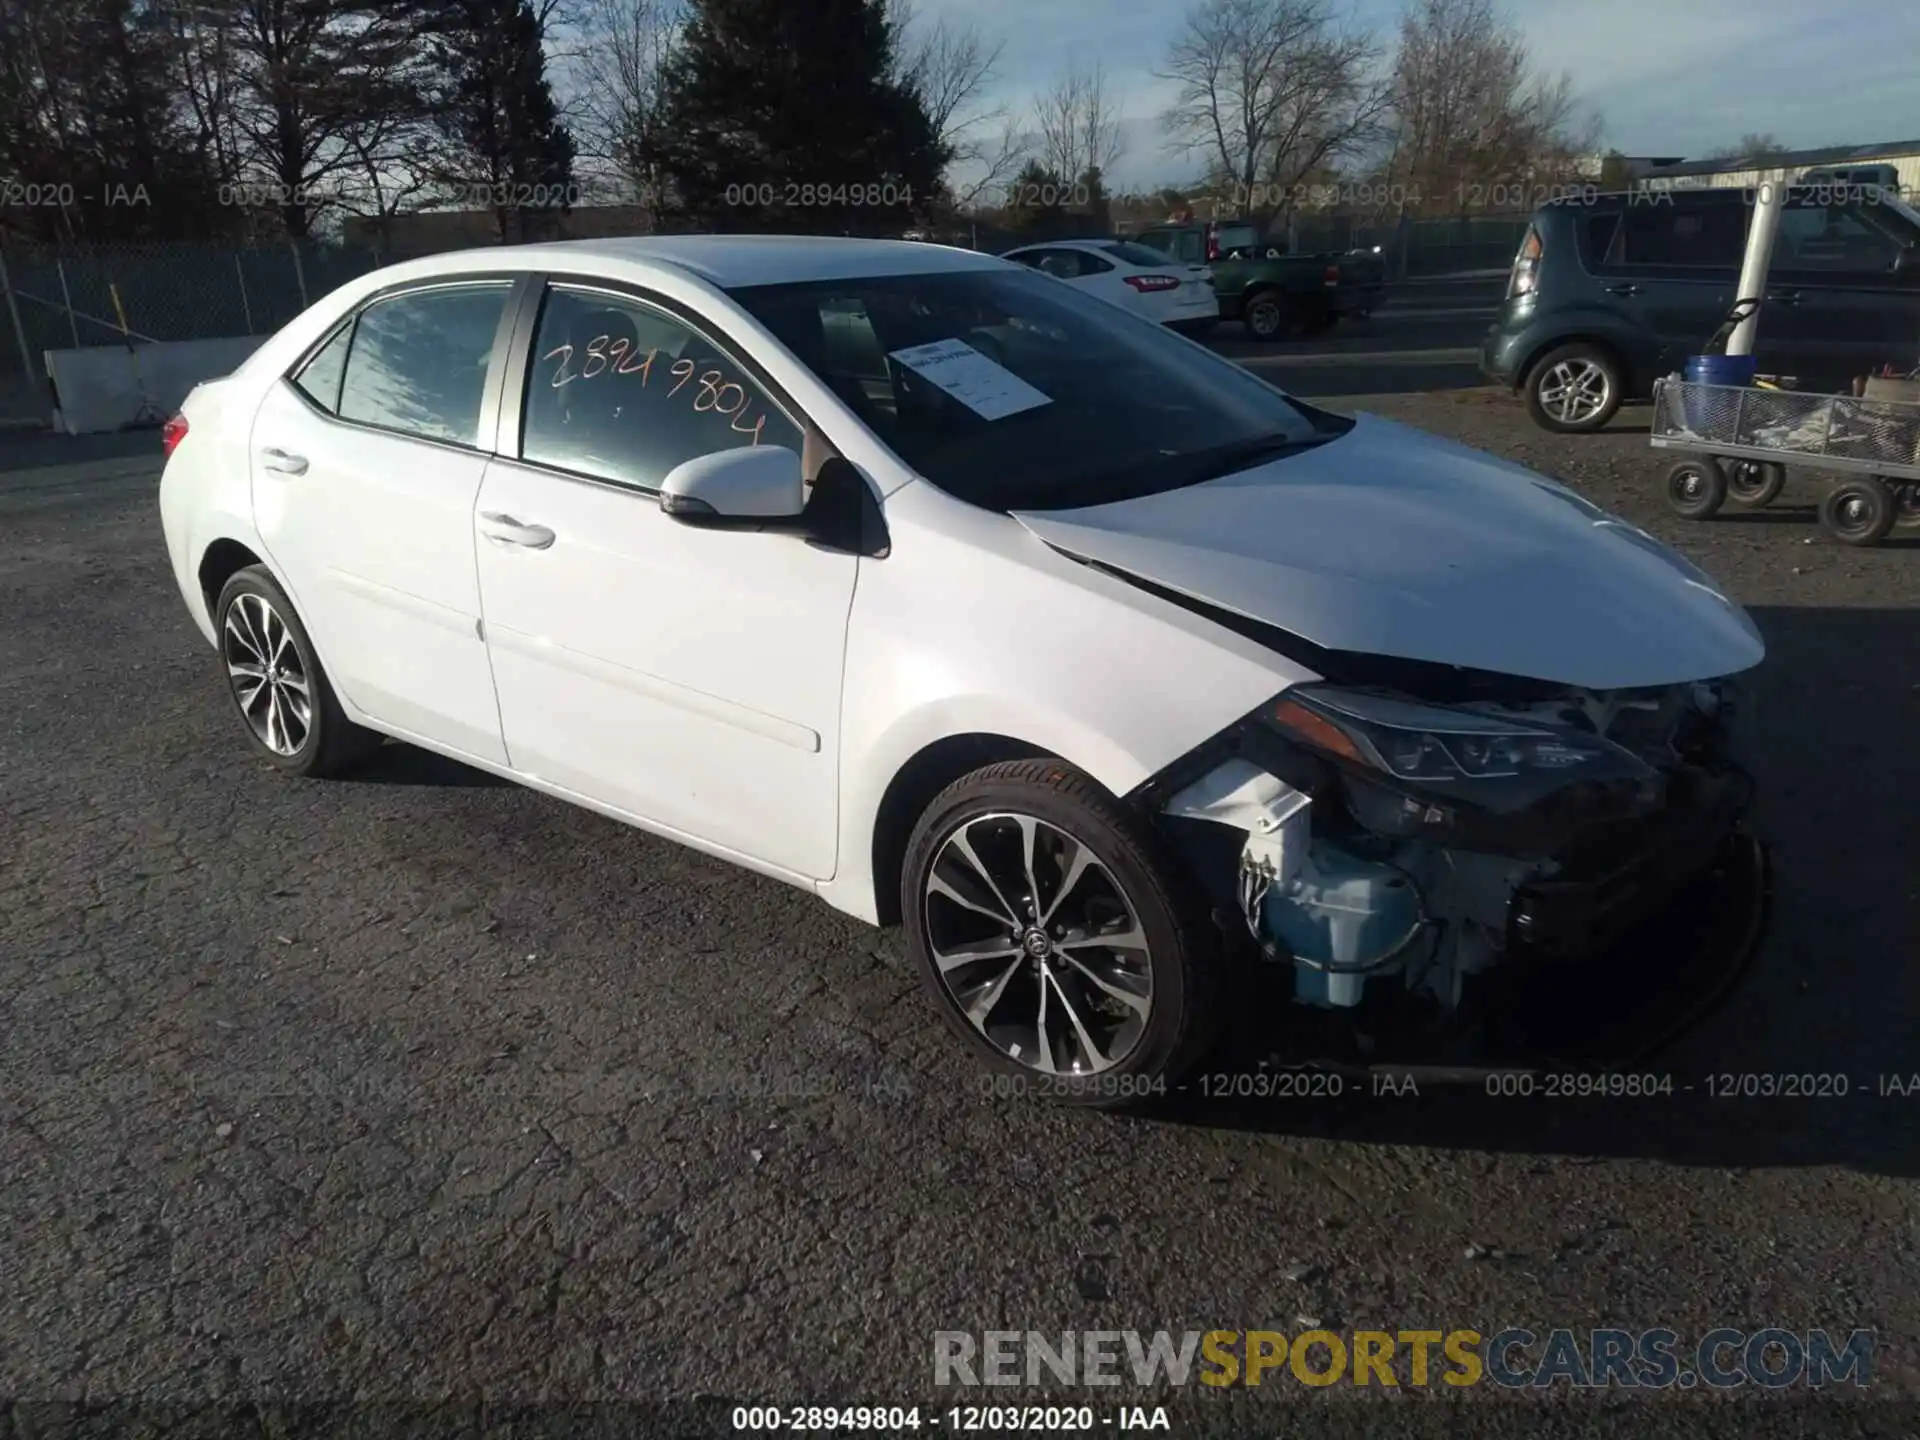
x,y
1274,293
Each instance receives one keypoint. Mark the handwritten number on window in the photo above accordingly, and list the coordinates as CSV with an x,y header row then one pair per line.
x,y
621,357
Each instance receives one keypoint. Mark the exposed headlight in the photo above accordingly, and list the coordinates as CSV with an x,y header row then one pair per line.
x,y
1491,762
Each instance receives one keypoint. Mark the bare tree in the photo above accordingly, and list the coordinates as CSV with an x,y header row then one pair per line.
x,y
1270,92
613,58
1754,145
1078,126
1470,117
949,65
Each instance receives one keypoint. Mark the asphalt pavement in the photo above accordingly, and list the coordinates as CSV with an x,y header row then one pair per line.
x,y
419,1089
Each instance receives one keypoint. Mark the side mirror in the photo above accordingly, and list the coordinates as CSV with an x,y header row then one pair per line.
x,y
756,487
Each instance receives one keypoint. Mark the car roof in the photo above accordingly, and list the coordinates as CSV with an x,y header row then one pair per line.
x,y
728,261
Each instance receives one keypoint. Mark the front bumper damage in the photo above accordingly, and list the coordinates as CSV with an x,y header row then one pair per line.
x,y
1571,936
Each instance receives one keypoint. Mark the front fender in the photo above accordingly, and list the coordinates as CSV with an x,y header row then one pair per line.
x,y
974,626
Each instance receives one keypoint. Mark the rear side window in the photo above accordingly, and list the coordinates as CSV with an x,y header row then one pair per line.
x,y
1713,236
1596,235
319,378
418,362
624,392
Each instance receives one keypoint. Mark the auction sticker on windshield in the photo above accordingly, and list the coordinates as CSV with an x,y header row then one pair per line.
x,y
990,390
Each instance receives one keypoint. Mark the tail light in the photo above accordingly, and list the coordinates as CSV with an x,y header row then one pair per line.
x,y
1332,276
1148,284
1213,242
171,434
1526,266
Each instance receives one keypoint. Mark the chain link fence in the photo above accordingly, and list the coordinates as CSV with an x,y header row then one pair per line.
x,y
57,298
64,297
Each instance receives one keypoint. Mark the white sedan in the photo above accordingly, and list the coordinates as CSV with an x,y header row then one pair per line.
x,y
910,577
1174,293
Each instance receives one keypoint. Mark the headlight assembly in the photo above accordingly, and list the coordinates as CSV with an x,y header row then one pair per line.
x,y
1486,760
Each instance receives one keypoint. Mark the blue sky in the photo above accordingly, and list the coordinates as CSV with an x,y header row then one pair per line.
x,y
1667,77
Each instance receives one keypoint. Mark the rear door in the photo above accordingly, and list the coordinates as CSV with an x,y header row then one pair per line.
x,y
366,462
1835,296
1670,270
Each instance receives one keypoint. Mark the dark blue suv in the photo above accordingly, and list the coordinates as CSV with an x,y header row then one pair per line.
x,y
1609,292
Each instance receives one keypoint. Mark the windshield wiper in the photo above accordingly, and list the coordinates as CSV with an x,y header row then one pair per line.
x,y
1232,459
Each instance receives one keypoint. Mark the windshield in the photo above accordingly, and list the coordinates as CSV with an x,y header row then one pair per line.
x,y
1012,391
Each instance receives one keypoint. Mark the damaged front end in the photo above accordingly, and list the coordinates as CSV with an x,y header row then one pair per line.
x,y
1510,876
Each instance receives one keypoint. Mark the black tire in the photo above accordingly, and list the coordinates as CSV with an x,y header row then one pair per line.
x,y
329,742
1185,959
1696,489
1547,378
1859,511
1753,483
1270,315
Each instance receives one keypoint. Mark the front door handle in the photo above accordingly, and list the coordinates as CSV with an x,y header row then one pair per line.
x,y
1783,297
282,463
1624,290
505,530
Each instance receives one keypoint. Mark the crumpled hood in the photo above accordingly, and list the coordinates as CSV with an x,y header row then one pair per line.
x,y
1391,541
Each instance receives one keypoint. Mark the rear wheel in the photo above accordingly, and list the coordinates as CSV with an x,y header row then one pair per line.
x,y
1058,939
1574,388
1269,316
1858,511
283,695
1696,488
1754,483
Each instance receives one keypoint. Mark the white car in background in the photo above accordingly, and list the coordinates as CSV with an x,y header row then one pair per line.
x,y
912,578
1154,286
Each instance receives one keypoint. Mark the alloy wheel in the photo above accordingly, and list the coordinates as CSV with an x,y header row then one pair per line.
x,y
1037,944
269,681
1574,391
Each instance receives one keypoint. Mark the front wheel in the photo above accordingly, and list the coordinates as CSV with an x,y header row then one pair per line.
x,y
1059,940
1696,489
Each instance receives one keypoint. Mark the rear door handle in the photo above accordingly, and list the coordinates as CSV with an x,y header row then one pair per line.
x,y
282,463
1624,290
1783,297
505,530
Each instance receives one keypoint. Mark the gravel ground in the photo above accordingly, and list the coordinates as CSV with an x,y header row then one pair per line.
x,y
417,1089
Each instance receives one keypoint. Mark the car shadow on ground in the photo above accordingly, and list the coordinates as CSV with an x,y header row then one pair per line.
x,y
1831,1005
396,763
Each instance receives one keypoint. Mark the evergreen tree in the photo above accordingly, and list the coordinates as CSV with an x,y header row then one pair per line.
x,y
496,107
87,116
789,115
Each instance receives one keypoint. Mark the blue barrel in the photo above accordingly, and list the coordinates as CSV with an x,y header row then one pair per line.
x,y
1714,370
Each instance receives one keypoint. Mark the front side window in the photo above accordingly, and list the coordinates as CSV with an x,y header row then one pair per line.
x,y
418,361
1833,238
621,391
1014,393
